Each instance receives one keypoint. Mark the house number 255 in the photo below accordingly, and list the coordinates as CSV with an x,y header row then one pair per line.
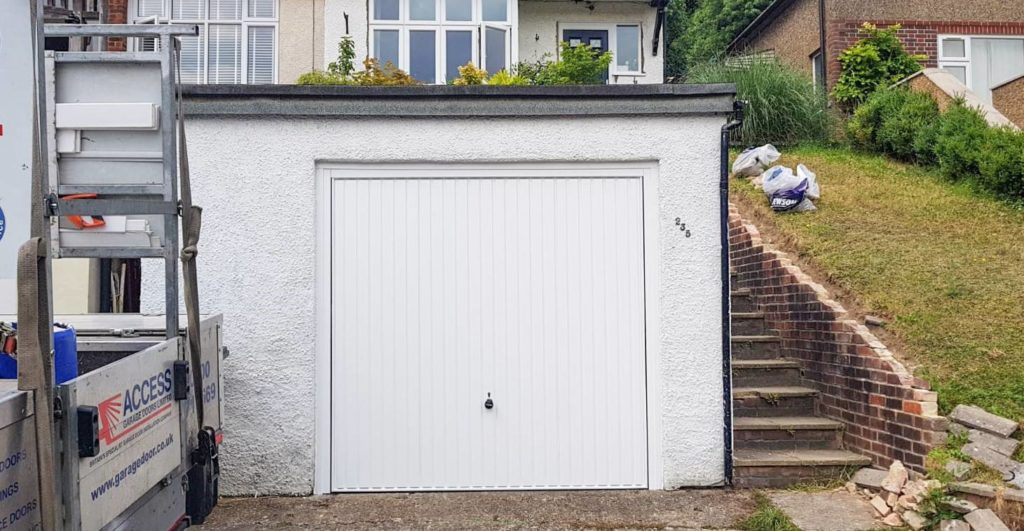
x,y
682,227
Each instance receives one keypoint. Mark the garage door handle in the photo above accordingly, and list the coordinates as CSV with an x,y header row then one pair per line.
x,y
489,404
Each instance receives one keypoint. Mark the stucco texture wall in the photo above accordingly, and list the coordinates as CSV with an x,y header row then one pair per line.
x,y
256,178
935,10
1009,100
541,24
300,39
794,36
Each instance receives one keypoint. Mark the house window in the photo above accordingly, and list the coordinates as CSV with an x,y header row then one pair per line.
x,y
818,69
627,49
431,39
624,41
237,41
982,63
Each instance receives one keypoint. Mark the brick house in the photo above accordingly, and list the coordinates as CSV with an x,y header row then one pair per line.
x,y
981,42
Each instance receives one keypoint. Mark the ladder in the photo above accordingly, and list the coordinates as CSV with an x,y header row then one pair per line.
x,y
116,152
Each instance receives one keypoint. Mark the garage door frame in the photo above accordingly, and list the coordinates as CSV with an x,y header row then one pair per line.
x,y
327,171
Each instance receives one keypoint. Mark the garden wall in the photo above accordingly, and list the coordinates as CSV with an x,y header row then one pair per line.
x,y
888,413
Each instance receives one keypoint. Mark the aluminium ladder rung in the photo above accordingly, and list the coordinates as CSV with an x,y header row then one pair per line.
x,y
108,57
111,189
112,252
116,207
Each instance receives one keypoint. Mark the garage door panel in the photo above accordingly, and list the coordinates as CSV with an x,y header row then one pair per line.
x,y
446,290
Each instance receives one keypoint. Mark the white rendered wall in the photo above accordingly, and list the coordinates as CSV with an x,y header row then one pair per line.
x,y
256,179
539,29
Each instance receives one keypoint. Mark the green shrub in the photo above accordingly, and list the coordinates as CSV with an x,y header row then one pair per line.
x,y
876,61
373,74
342,71
345,65
319,77
1001,162
503,78
899,133
866,122
924,143
470,74
577,65
785,106
960,140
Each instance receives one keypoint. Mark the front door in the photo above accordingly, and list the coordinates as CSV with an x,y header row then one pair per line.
x,y
488,333
596,39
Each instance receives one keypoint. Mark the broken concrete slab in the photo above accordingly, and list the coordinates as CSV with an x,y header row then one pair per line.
x,y
991,459
975,417
879,504
1003,445
896,478
959,506
958,469
988,491
954,525
826,511
870,478
985,520
893,520
915,520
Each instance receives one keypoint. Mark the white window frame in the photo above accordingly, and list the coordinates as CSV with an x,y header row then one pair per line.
x,y
245,22
440,26
968,44
613,69
964,61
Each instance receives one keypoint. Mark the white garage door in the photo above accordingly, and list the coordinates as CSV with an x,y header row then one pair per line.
x,y
487,333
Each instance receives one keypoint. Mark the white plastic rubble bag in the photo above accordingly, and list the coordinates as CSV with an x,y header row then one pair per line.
x,y
813,189
788,192
753,161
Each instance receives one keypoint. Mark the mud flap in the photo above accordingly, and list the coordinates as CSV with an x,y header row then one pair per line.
x,y
203,478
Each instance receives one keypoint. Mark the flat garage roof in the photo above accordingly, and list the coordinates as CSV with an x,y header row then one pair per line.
x,y
430,101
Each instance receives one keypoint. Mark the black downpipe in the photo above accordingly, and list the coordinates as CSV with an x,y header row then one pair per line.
x,y
823,44
723,206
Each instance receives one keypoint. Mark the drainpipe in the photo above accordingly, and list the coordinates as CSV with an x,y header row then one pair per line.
x,y
823,45
723,206
659,24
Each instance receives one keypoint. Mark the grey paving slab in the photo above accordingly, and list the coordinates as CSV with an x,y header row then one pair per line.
x,y
826,511
975,417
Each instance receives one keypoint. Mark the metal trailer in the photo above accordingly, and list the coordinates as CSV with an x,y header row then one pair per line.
x,y
132,442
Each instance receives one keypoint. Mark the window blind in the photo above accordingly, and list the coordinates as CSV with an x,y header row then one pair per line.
x,y
224,54
261,54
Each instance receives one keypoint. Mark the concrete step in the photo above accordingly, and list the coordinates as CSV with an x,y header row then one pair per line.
x,y
787,433
743,301
773,401
776,373
754,468
757,347
748,324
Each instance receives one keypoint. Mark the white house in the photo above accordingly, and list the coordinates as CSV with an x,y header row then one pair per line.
x,y
275,41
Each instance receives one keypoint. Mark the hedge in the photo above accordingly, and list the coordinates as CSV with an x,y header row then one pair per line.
x,y
908,126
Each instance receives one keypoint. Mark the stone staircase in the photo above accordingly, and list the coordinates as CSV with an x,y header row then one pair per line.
x,y
778,438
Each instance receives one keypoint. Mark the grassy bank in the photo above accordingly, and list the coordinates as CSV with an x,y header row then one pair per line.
x,y
942,263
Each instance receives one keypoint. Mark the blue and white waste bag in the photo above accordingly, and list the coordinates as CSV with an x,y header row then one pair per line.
x,y
789,192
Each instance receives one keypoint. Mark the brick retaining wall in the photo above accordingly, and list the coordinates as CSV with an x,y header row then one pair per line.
x,y
888,413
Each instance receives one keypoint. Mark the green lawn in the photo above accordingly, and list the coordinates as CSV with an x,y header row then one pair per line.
x,y
943,264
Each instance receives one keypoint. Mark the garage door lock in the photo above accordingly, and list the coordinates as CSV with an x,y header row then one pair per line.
x,y
489,404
